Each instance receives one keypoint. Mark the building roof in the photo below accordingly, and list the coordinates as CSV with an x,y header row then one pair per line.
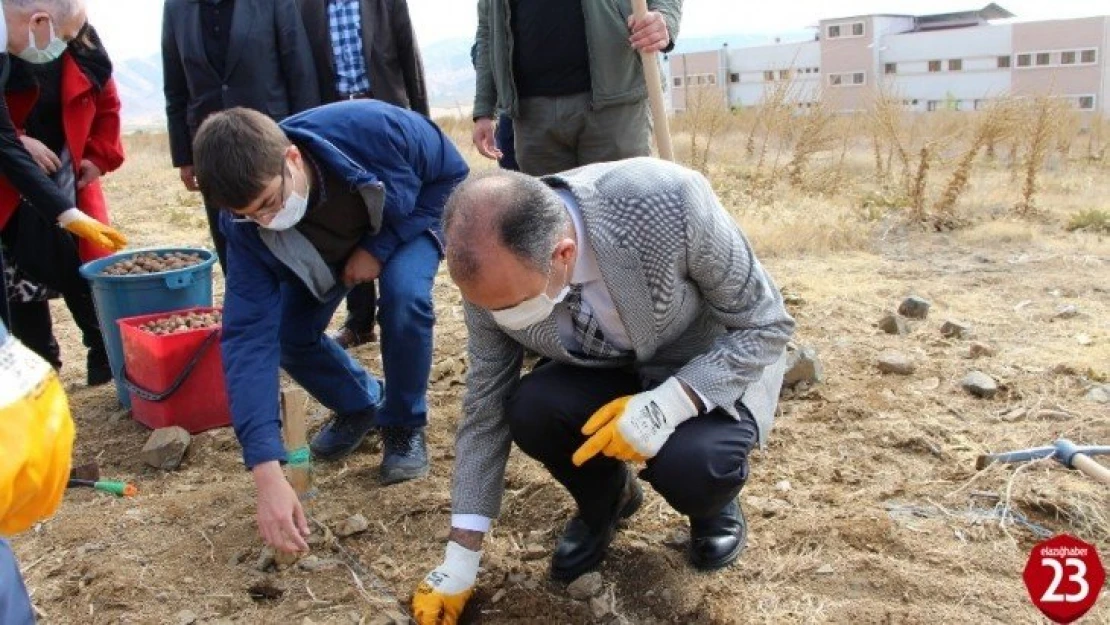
x,y
990,12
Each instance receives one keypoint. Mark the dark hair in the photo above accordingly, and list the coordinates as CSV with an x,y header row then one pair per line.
x,y
235,154
527,216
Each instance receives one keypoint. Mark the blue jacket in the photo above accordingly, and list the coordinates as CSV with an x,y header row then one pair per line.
x,y
365,142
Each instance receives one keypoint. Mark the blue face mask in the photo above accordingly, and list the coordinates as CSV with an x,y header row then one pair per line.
x,y
52,52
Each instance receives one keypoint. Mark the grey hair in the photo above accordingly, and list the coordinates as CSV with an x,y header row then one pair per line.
x,y
526,215
58,9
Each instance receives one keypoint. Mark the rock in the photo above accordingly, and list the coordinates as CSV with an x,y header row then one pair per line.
x,y
802,365
979,384
185,617
1099,394
955,329
783,486
498,596
914,308
585,587
314,563
389,617
534,552
1084,340
265,560
356,524
166,448
896,363
1067,311
893,324
517,577
677,539
826,569
980,350
600,607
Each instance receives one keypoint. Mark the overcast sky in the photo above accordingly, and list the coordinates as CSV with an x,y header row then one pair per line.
x,y
131,28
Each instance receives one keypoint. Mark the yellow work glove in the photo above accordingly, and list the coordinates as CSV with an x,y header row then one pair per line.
x,y
36,437
635,427
441,597
92,230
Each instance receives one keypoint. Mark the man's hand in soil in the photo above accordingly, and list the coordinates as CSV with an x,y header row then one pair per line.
x,y
442,596
281,520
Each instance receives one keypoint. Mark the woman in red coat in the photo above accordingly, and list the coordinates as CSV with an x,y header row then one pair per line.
x,y
66,111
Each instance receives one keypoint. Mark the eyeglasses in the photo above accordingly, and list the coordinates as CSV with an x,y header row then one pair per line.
x,y
270,209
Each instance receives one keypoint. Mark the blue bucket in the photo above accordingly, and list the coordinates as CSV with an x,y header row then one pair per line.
x,y
119,297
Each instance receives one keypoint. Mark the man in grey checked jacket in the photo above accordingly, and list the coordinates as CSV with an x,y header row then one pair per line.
x,y
663,340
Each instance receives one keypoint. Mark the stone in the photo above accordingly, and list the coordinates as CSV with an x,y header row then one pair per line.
x,y
166,447
356,524
1099,394
980,350
783,486
979,384
914,308
585,587
498,596
826,569
185,617
600,607
896,363
1067,311
389,617
315,563
955,329
534,552
265,561
893,324
803,365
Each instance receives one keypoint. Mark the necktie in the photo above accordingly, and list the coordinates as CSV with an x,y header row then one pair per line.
x,y
586,329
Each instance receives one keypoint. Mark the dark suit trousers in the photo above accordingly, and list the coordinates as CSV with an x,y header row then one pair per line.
x,y
699,470
362,306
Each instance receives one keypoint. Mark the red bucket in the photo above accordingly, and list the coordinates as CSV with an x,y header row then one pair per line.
x,y
175,379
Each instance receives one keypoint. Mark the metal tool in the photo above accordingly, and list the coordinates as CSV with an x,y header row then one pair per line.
x,y
1068,453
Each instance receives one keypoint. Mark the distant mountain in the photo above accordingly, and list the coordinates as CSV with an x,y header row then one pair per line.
x,y
447,67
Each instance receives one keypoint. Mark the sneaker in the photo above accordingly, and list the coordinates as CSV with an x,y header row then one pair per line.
x,y
404,454
343,434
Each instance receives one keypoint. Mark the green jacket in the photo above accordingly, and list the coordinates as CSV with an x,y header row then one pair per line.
x,y
616,74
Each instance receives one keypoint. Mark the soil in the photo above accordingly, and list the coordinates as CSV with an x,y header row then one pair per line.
x,y
866,506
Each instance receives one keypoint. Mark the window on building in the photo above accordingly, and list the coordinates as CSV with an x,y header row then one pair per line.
x,y
934,66
784,74
1044,58
955,65
1025,60
734,77
835,80
710,79
857,29
769,76
816,70
699,79
890,68
1088,56
834,31
1067,58
932,105
980,105
956,105
1087,102
857,78
678,81
1004,61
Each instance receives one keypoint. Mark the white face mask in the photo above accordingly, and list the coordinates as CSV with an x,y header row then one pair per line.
x,y
530,311
292,212
53,50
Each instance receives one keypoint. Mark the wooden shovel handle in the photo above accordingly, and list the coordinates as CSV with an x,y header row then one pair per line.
x,y
655,93
1093,469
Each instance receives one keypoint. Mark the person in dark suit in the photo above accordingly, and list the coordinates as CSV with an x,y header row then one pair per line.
x,y
365,49
219,54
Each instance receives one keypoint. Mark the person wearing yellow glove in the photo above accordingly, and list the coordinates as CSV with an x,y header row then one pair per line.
x,y
36,443
663,346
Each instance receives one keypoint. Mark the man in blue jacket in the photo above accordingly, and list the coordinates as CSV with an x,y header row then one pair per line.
x,y
332,197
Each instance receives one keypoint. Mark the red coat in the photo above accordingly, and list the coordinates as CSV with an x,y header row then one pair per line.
x,y
92,127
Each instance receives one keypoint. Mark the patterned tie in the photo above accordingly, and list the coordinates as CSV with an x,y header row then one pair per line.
x,y
586,329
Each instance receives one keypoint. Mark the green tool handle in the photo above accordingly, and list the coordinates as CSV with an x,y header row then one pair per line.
x,y
119,489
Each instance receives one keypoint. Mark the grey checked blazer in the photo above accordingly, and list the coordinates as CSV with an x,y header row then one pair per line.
x,y
695,301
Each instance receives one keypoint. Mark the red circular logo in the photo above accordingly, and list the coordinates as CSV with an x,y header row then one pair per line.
x,y
1064,577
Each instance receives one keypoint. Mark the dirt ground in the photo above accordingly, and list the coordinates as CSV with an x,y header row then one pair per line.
x,y
865,507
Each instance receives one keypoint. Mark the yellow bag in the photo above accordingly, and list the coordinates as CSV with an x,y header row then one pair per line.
x,y
36,438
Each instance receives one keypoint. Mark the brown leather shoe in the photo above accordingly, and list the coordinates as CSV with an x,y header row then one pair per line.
x,y
348,338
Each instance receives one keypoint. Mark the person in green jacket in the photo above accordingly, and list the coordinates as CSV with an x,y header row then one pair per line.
x,y
569,76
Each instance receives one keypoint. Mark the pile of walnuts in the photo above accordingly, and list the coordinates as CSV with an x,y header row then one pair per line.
x,y
152,262
183,322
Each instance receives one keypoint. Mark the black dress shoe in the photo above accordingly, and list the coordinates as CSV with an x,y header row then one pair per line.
x,y
581,548
716,541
